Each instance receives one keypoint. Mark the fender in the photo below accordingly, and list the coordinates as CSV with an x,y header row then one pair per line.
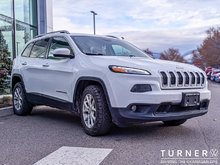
x,y
97,80
113,111
17,75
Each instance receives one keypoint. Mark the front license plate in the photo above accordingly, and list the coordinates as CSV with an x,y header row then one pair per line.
x,y
190,99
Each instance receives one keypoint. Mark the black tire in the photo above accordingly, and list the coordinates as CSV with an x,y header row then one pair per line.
x,y
25,107
174,122
103,121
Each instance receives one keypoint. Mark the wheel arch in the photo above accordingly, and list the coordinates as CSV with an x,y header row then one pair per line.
x,y
81,83
16,78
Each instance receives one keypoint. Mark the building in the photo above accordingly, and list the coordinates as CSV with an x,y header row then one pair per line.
x,y
21,20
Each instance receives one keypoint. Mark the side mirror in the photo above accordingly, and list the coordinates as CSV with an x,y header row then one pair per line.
x,y
62,52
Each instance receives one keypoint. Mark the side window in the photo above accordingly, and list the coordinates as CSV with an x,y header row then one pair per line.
x,y
119,50
58,42
39,49
27,50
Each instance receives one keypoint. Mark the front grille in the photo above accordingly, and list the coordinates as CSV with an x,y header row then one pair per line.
x,y
203,78
198,78
179,79
164,78
172,78
186,78
193,79
170,108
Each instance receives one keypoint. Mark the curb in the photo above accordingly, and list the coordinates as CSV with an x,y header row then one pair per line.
x,y
6,111
9,95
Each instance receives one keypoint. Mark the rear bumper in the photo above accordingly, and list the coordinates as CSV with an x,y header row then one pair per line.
x,y
156,112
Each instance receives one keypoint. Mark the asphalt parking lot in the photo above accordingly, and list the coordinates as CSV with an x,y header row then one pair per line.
x,y
26,140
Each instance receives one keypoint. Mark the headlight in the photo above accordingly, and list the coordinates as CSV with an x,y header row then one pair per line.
x,y
123,69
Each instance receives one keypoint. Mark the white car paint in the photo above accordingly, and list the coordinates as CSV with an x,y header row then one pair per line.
x,y
58,78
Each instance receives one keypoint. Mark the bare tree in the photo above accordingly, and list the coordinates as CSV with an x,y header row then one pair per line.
x,y
148,51
197,59
172,55
209,50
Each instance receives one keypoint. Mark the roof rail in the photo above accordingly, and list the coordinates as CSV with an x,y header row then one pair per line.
x,y
60,31
112,36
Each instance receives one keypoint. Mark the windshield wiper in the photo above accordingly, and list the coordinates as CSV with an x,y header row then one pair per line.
x,y
95,54
131,55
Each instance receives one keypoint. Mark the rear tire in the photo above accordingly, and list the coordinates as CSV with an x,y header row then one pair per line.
x,y
20,104
174,122
95,116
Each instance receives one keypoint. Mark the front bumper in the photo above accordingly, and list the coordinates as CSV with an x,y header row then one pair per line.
x,y
156,112
120,95
156,105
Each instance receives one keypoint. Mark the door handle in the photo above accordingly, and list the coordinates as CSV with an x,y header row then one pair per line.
x,y
24,63
45,65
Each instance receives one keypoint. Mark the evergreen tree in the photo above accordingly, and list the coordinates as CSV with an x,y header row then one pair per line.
x,y
5,61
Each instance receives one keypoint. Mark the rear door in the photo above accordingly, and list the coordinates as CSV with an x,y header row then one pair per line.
x,y
33,68
24,61
58,72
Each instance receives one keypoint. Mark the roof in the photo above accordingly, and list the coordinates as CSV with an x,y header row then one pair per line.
x,y
75,34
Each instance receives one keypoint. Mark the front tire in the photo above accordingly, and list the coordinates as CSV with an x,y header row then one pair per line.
x,y
20,104
95,115
174,122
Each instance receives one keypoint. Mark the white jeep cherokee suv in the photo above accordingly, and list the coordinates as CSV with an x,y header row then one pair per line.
x,y
105,80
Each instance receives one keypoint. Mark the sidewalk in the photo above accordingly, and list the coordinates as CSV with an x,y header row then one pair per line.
x,y
9,95
6,111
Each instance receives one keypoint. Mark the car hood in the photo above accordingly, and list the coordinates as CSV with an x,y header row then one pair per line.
x,y
152,65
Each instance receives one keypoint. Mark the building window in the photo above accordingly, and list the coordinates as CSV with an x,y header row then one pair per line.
x,y
5,53
25,12
26,22
6,8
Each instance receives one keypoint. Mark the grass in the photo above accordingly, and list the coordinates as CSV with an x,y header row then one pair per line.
x,y
5,101
5,91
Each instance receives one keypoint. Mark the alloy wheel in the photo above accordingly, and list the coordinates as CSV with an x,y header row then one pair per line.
x,y
18,98
89,111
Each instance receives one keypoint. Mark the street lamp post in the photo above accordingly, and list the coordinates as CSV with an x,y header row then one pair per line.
x,y
94,14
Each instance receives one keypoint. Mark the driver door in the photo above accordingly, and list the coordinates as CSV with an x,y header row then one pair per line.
x,y
58,71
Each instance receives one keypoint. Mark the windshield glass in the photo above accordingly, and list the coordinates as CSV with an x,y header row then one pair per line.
x,y
93,45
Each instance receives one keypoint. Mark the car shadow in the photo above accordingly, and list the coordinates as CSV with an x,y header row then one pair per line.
x,y
150,129
53,114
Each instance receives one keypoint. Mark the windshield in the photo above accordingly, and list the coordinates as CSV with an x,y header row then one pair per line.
x,y
93,45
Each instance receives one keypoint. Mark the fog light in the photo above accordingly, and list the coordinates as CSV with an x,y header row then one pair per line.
x,y
141,88
133,108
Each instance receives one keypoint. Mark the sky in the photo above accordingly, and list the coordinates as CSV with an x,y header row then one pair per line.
x,y
154,24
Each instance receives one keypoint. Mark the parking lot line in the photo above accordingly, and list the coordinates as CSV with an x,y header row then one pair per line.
x,y
75,156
